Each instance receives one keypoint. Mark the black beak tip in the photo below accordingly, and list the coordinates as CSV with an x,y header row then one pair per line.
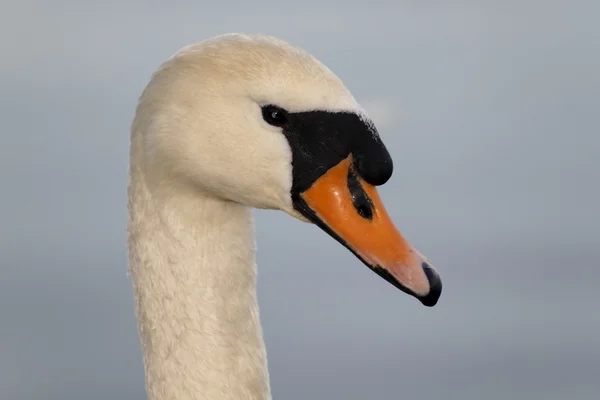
x,y
435,287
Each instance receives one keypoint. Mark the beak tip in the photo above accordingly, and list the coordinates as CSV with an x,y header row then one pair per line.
x,y
435,287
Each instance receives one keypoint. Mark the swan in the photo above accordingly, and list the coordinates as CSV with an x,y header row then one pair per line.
x,y
225,125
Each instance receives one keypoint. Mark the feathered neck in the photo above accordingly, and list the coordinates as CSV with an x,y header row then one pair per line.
x,y
192,261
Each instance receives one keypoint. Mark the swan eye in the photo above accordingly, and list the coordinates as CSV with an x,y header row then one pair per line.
x,y
274,115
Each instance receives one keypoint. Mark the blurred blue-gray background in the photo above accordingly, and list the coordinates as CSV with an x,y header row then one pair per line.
x,y
491,110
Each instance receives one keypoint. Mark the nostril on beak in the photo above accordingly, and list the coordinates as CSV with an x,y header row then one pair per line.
x,y
360,199
435,286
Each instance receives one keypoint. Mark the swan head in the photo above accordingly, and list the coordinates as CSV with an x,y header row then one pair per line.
x,y
254,120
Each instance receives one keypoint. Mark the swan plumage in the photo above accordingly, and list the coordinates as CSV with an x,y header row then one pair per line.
x,y
230,123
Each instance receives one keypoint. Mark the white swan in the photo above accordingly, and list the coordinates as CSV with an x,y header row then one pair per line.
x,y
227,124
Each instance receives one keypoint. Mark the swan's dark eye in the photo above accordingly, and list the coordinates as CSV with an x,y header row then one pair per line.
x,y
274,115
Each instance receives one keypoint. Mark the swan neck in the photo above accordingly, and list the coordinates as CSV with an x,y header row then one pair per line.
x,y
192,262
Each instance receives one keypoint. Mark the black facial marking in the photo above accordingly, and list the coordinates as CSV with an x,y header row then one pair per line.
x,y
362,202
321,139
376,172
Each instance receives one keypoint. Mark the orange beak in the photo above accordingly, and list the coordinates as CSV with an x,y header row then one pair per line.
x,y
350,210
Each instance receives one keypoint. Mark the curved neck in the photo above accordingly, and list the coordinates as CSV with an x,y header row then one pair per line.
x,y
192,261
